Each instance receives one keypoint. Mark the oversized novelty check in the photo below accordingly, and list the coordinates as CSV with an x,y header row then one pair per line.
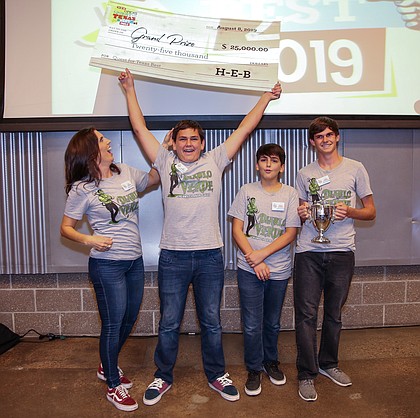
x,y
239,54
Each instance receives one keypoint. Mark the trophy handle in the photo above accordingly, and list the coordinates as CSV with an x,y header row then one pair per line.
x,y
310,218
333,215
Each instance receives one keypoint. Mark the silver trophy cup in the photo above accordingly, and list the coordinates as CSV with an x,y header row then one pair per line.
x,y
322,215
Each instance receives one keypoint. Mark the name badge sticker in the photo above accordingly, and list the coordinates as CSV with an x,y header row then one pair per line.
x,y
323,180
181,168
127,185
277,206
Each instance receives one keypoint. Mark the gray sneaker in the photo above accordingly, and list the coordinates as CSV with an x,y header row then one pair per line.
x,y
307,390
337,376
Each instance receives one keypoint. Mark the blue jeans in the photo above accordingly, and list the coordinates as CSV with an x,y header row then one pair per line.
x,y
205,270
314,273
119,286
261,304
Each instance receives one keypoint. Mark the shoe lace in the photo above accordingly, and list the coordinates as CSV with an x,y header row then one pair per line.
x,y
254,373
156,384
308,382
273,365
335,371
224,380
122,391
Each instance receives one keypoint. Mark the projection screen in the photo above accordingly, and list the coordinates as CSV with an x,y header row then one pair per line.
x,y
337,57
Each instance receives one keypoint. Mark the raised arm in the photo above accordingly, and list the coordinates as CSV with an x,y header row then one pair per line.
x,y
154,177
147,141
250,121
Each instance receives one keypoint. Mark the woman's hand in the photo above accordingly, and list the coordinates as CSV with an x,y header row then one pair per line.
x,y
100,243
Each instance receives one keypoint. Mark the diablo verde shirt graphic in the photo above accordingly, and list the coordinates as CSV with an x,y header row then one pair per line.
x,y
266,216
268,228
127,204
336,196
321,193
200,183
191,195
342,184
111,206
111,210
251,213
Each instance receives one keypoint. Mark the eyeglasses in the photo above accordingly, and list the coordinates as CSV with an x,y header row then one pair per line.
x,y
327,135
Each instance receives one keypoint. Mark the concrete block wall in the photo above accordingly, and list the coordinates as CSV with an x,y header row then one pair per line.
x,y
64,304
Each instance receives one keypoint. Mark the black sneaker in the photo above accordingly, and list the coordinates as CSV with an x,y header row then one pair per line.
x,y
274,373
253,383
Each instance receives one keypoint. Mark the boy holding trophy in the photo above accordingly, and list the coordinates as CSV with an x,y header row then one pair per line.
x,y
327,264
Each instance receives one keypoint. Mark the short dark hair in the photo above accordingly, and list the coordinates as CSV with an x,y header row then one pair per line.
x,y
186,124
321,123
271,149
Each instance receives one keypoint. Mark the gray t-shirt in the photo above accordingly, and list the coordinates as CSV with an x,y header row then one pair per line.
x,y
342,184
112,211
191,220
274,212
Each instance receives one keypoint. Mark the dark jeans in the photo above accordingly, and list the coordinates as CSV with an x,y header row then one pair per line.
x,y
314,273
205,270
119,286
261,304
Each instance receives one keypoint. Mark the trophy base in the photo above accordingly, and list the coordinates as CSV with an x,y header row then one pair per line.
x,y
321,240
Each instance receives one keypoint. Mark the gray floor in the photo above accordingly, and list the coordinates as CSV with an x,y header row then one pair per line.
x,y
58,379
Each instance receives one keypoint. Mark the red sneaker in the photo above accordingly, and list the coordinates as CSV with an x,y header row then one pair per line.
x,y
125,381
155,391
225,387
121,399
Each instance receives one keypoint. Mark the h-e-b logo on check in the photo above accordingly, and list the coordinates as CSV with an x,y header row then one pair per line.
x,y
232,73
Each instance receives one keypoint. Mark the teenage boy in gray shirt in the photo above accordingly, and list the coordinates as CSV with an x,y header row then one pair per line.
x,y
264,262
326,267
191,241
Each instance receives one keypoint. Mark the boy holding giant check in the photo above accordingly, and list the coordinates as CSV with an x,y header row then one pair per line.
x,y
191,241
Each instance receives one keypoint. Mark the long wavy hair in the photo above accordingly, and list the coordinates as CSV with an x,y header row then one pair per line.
x,y
81,159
